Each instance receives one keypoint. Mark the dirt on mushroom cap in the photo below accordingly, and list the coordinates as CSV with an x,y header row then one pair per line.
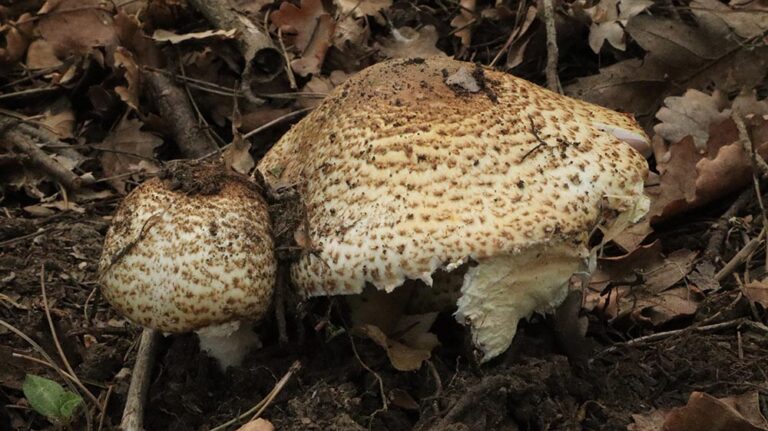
x,y
178,262
401,175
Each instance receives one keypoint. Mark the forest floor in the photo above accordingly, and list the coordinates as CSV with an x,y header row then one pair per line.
x,y
669,334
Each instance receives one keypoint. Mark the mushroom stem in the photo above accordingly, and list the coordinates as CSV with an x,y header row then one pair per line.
x,y
133,414
503,289
228,343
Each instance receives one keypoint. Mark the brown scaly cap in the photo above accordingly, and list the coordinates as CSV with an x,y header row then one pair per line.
x,y
190,251
412,165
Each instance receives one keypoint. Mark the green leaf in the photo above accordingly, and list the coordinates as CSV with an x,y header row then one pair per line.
x,y
50,399
69,404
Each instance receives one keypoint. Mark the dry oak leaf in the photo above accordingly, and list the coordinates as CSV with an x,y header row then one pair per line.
x,y
15,39
312,57
128,149
608,20
692,177
705,412
691,115
405,42
746,22
40,55
680,56
463,22
128,93
237,156
757,291
76,26
300,22
404,354
311,29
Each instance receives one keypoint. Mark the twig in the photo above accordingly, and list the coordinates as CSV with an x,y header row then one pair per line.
x,y
259,408
385,406
178,116
663,335
133,414
743,292
280,288
739,258
104,407
262,60
25,144
27,236
472,397
277,120
288,70
541,142
56,342
718,235
42,352
758,162
553,82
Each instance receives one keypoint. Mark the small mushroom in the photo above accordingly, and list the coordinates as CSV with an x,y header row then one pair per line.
x,y
407,168
193,252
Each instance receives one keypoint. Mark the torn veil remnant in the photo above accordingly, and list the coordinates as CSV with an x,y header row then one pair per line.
x,y
402,174
193,252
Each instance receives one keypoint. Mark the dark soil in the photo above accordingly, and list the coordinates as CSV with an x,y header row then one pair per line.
x,y
532,387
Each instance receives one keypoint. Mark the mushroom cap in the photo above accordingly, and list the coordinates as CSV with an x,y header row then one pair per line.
x,y
178,261
408,167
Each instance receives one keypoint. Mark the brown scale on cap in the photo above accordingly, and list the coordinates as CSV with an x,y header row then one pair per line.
x,y
401,174
190,251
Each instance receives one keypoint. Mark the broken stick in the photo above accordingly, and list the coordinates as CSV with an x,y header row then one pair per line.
x,y
133,414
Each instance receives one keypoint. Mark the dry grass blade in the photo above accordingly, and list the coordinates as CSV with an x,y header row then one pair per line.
x,y
55,336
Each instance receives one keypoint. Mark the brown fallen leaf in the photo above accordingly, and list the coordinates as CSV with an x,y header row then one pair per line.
x,y
747,22
40,55
691,115
757,291
76,26
128,93
258,424
312,57
310,29
401,356
680,55
705,412
462,22
643,281
237,156
17,37
128,149
608,20
402,399
298,23
691,177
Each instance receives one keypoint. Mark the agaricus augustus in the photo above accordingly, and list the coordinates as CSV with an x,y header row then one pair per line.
x,y
417,165
193,252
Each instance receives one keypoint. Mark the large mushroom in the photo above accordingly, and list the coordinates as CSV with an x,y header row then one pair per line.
x,y
417,165
193,252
